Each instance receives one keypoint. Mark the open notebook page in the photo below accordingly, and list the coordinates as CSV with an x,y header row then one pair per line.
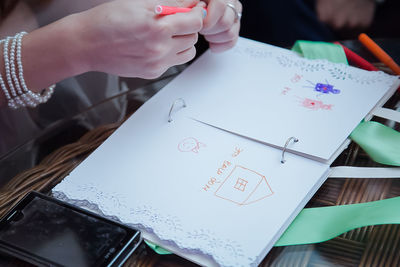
x,y
205,193
270,94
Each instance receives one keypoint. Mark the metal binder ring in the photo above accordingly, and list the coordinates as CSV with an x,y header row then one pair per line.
x,y
295,140
173,105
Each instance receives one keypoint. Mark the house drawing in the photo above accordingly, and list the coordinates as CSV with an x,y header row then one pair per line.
x,y
244,186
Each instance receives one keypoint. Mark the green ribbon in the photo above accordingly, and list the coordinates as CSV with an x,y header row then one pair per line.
x,y
320,50
315,225
381,143
157,248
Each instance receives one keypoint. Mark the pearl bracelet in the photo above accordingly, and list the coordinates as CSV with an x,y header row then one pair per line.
x,y
17,94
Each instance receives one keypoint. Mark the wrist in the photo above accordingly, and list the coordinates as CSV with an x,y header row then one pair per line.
x,y
92,38
78,37
53,53
72,45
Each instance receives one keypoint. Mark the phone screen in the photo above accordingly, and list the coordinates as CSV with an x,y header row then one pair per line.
x,y
62,235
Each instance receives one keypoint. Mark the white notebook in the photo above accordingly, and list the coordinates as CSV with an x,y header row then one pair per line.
x,y
210,186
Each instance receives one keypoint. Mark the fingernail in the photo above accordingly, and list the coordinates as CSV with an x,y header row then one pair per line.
x,y
204,13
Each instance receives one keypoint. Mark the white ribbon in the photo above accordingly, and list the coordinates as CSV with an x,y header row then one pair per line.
x,y
364,172
386,114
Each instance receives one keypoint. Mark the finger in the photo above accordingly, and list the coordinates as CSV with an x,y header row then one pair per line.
x,y
239,6
185,23
221,47
185,56
215,10
225,36
320,10
202,4
230,17
225,23
338,22
239,9
184,42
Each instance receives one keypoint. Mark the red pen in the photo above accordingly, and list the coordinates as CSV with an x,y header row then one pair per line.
x,y
357,60
169,10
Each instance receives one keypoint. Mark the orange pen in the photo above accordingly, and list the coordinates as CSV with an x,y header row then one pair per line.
x,y
379,53
169,10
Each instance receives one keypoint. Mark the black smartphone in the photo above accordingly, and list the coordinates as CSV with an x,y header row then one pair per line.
x,y
44,231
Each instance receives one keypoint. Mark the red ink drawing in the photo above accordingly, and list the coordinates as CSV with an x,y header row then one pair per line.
x,y
244,186
286,90
296,78
241,184
225,165
315,104
210,183
236,152
190,144
324,88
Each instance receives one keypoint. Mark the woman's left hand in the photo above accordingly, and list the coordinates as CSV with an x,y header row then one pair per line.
x,y
222,24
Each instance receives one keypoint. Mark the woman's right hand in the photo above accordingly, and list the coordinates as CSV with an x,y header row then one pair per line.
x,y
127,38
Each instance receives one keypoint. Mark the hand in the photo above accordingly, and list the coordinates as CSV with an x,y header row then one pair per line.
x,y
349,14
221,26
127,38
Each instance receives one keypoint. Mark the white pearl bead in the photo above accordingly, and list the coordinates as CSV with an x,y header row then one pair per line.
x,y
20,95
